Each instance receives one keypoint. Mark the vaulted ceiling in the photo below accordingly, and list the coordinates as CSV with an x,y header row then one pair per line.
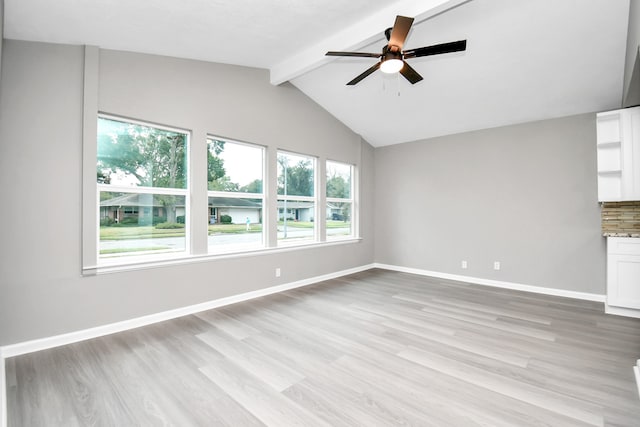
x,y
526,60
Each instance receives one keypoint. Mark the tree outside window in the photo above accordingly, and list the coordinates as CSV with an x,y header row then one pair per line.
x,y
143,190
141,176
339,208
236,199
296,197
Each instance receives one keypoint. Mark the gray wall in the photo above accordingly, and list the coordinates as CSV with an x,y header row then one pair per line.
x,y
631,79
523,195
42,291
1,32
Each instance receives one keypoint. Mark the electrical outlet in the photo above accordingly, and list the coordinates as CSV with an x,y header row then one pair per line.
x,y
463,264
278,272
496,265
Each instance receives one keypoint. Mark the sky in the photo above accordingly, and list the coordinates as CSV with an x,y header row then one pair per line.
x,y
242,163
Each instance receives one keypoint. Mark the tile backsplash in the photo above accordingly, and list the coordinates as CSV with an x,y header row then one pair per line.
x,y
621,218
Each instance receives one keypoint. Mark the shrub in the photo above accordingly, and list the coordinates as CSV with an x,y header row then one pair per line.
x,y
226,219
129,220
159,219
180,219
105,222
168,225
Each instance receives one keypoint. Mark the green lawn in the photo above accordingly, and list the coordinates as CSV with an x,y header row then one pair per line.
x,y
297,224
138,232
338,224
150,232
234,228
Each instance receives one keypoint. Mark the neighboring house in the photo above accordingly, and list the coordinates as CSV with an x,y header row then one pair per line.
x,y
143,206
336,212
147,206
238,209
297,211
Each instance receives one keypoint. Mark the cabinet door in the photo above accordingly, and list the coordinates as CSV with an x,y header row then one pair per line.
x,y
632,154
623,280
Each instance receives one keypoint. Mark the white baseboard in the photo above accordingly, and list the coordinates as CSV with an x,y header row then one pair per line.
x,y
77,336
3,394
496,283
636,371
621,311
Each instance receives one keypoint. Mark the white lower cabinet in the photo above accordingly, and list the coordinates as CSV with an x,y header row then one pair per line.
x,y
623,276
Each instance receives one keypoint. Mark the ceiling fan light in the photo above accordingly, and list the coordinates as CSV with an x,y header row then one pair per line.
x,y
391,66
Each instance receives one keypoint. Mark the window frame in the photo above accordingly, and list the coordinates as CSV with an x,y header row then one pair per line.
x,y
181,192
240,195
350,200
196,197
315,199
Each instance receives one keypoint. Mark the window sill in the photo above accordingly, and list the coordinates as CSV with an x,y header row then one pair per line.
x,y
143,263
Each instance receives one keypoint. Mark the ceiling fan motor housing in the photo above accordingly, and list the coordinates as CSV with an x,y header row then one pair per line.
x,y
388,52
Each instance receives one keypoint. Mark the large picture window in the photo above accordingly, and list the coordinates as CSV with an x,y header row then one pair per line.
x,y
296,197
339,209
142,185
146,203
235,176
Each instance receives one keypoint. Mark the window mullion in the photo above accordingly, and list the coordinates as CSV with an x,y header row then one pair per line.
x,y
143,190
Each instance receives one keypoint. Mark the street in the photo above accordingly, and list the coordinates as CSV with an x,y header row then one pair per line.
x,y
215,241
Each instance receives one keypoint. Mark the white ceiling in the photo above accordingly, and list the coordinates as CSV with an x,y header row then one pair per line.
x,y
526,60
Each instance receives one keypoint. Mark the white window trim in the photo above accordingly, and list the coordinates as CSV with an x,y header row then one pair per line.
x,y
94,246
315,199
91,211
240,195
351,200
146,263
143,190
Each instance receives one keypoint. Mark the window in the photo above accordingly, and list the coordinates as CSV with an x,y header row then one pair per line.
x,y
339,209
236,196
143,190
145,201
296,197
131,210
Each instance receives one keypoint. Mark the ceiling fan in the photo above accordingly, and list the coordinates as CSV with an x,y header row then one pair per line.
x,y
392,58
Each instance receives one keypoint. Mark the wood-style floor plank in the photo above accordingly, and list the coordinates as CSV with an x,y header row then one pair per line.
x,y
373,348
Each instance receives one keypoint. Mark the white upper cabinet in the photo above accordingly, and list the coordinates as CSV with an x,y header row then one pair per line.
x,y
619,155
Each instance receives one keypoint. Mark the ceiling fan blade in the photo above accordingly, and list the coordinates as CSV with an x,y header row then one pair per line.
x,y
365,74
400,31
436,49
410,74
360,54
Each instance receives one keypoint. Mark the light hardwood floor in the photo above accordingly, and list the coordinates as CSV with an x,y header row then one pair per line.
x,y
377,348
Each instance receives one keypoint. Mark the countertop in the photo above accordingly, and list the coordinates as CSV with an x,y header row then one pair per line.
x,y
607,234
